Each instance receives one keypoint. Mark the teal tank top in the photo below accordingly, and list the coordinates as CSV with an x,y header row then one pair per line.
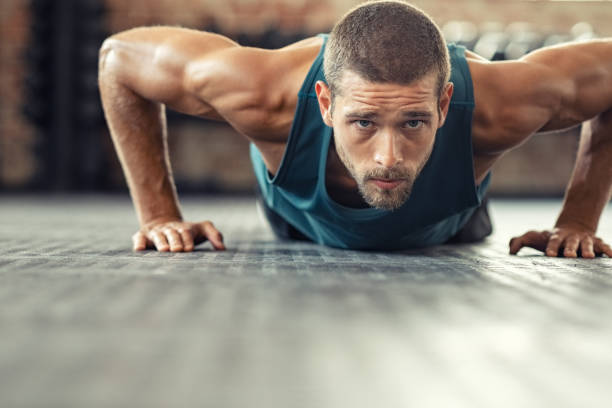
x,y
443,196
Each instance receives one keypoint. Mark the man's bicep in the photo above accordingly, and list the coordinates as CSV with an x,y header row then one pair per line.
x,y
514,99
154,62
582,75
232,79
549,89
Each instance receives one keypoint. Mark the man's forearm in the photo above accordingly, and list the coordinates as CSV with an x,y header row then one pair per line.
x,y
590,187
138,130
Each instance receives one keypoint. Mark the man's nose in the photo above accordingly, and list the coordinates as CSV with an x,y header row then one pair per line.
x,y
388,152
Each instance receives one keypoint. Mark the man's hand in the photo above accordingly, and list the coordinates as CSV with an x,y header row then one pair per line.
x,y
569,242
177,236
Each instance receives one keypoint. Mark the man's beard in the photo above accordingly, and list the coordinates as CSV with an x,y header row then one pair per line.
x,y
374,196
390,199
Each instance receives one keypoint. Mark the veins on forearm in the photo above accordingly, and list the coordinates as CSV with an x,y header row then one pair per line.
x,y
591,182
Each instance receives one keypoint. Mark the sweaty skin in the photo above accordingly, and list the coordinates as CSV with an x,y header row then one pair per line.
x,y
385,126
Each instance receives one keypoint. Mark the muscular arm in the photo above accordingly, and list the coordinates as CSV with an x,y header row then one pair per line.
x,y
587,69
144,70
588,191
550,89
141,72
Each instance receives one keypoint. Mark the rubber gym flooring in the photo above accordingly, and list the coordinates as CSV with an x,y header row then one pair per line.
x,y
85,322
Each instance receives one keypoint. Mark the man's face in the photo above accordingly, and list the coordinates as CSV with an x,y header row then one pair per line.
x,y
384,133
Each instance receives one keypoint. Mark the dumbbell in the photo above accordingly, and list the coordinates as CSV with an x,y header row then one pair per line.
x,y
524,38
554,39
582,31
492,45
461,32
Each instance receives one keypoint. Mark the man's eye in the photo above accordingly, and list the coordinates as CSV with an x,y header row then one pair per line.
x,y
414,124
364,123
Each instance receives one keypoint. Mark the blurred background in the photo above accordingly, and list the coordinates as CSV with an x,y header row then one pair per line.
x,y
52,131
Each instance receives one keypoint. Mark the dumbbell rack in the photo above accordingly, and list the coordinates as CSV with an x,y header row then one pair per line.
x,y
62,98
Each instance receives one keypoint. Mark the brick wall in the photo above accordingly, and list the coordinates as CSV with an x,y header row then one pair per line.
x,y
195,161
17,138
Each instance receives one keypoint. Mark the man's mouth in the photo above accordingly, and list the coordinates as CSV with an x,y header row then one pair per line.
x,y
387,184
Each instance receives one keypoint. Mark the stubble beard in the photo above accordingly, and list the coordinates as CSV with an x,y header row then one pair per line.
x,y
374,196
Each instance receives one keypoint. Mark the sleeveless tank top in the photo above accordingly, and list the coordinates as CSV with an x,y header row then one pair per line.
x,y
443,197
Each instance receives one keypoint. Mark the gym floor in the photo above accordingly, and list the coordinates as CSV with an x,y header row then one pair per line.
x,y
85,322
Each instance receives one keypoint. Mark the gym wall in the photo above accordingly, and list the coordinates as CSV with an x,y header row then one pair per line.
x,y
53,138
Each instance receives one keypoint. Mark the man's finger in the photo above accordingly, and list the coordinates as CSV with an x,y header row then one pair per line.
x,y
174,240
571,246
603,248
555,241
586,247
516,244
187,239
139,241
532,239
213,235
160,241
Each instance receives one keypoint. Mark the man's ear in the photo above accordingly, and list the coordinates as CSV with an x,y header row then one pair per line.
x,y
445,99
325,102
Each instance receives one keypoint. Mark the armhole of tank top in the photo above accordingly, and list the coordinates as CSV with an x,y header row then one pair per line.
x,y
457,54
468,104
281,173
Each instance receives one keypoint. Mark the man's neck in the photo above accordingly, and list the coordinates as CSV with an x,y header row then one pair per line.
x,y
341,186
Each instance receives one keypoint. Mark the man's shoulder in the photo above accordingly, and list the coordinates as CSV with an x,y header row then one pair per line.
x,y
267,123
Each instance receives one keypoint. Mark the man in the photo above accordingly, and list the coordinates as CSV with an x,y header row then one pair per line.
x,y
390,149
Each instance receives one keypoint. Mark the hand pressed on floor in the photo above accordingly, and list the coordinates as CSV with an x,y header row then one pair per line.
x,y
177,236
569,242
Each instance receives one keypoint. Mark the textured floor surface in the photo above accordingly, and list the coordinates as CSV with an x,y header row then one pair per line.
x,y
84,322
